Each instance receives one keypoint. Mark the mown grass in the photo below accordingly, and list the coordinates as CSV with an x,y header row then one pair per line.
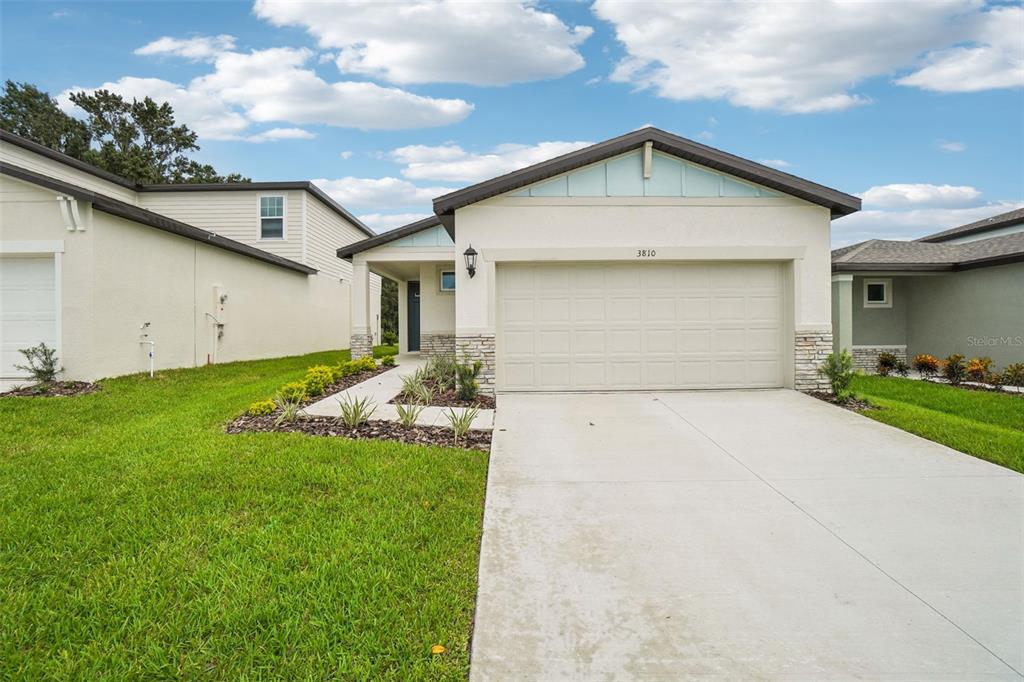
x,y
139,541
988,425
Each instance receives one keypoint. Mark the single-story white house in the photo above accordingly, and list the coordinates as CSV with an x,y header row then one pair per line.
x,y
107,271
648,261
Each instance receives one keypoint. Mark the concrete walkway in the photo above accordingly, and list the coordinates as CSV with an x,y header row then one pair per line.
x,y
385,386
738,536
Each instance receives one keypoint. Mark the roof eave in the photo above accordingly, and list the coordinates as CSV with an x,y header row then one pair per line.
x,y
349,250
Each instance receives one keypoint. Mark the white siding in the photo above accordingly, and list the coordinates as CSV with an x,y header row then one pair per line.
x,y
23,158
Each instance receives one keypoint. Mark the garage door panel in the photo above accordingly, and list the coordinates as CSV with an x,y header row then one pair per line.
x,y
626,326
28,308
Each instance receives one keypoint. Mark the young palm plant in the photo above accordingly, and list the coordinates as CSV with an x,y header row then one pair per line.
x,y
355,411
408,414
461,421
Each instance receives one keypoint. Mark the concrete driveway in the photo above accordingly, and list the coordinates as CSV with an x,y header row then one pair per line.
x,y
758,535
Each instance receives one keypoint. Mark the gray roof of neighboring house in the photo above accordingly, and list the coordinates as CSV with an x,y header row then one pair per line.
x,y
306,185
995,222
838,202
350,250
131,212
882,254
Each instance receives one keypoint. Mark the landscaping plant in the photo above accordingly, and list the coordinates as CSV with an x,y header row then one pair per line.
x,y
1013,375
43,365
460,422
840,372
408,414
289,409
388,361
926,365
468,386
261,407
293,391
902,368
887,363
442,369
978,369
356,411
318,378
953,369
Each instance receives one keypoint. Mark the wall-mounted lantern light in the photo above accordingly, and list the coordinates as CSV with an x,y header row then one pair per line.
x,y
470,255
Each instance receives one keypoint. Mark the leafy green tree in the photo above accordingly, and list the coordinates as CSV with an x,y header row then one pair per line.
x,y
28,111
389,309
137,140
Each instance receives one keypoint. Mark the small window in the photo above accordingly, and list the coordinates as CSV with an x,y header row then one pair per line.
x,y
447,280
271,217
878,293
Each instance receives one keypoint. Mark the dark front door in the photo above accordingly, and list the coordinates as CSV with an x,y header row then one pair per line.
x,y
414,315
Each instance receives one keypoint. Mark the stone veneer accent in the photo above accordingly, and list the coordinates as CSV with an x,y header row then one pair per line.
x,y
811,347
361,345
437,344
472,347
865,358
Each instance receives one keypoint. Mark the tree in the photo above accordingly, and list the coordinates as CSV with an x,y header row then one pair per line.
x,y
28,111
137,140
388,309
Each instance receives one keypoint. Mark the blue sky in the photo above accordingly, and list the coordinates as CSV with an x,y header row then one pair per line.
x,y
917,107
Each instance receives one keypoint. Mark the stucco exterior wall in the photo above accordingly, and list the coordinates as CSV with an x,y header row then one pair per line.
x,y
437,308
881,326
973,312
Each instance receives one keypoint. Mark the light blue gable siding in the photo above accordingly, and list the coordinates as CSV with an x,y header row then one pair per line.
x,y
434,236
622,176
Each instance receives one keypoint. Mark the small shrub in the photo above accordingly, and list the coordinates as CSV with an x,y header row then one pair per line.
x,y
364,364
388,361
926,365
343,369
886,364
289,410
978,368
442,369
423,394
408,414
293,392
840,372
318,379
996,379
412,382
460,422
261,407
902,368
389,338
355,411
468,386
43,365
953,369
1013,375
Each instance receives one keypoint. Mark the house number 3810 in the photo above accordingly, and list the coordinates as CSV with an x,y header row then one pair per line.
x,y
646,253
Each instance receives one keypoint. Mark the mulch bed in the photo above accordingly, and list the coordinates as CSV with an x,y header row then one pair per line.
x,y
853,404
975,386
447,399
52,390
371,430
346,382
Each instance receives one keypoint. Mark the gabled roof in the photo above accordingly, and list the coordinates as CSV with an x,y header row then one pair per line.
x,y
72,162
882,254
131,212
350,250
837,202
995,222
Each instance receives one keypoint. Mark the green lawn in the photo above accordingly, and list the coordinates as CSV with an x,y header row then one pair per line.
x,y
984,424
137,540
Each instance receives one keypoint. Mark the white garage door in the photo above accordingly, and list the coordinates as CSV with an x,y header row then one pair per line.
x,y
611,326
28,308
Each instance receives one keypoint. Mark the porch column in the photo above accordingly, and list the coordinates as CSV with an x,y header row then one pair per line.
x,y
842,313
361,342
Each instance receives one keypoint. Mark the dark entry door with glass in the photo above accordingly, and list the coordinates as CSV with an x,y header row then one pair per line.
x,y
413,318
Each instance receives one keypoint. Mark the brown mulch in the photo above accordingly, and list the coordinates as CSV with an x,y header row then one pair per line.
x,y
449,398
371,430
853,404
55,389
346,382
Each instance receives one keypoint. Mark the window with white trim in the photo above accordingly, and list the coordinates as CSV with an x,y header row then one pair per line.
x,y
877,293
272,217
447,280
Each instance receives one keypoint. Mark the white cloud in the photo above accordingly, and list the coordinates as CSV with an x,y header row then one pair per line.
x,y
922,195
199,48
376,193
952,146
346,155
494,43
382,222
277,134
910,224
994,59
798,58
274,85
775,163
706,135
450,162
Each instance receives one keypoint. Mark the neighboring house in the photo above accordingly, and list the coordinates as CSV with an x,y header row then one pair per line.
x,y
217,272
645,262
956,291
